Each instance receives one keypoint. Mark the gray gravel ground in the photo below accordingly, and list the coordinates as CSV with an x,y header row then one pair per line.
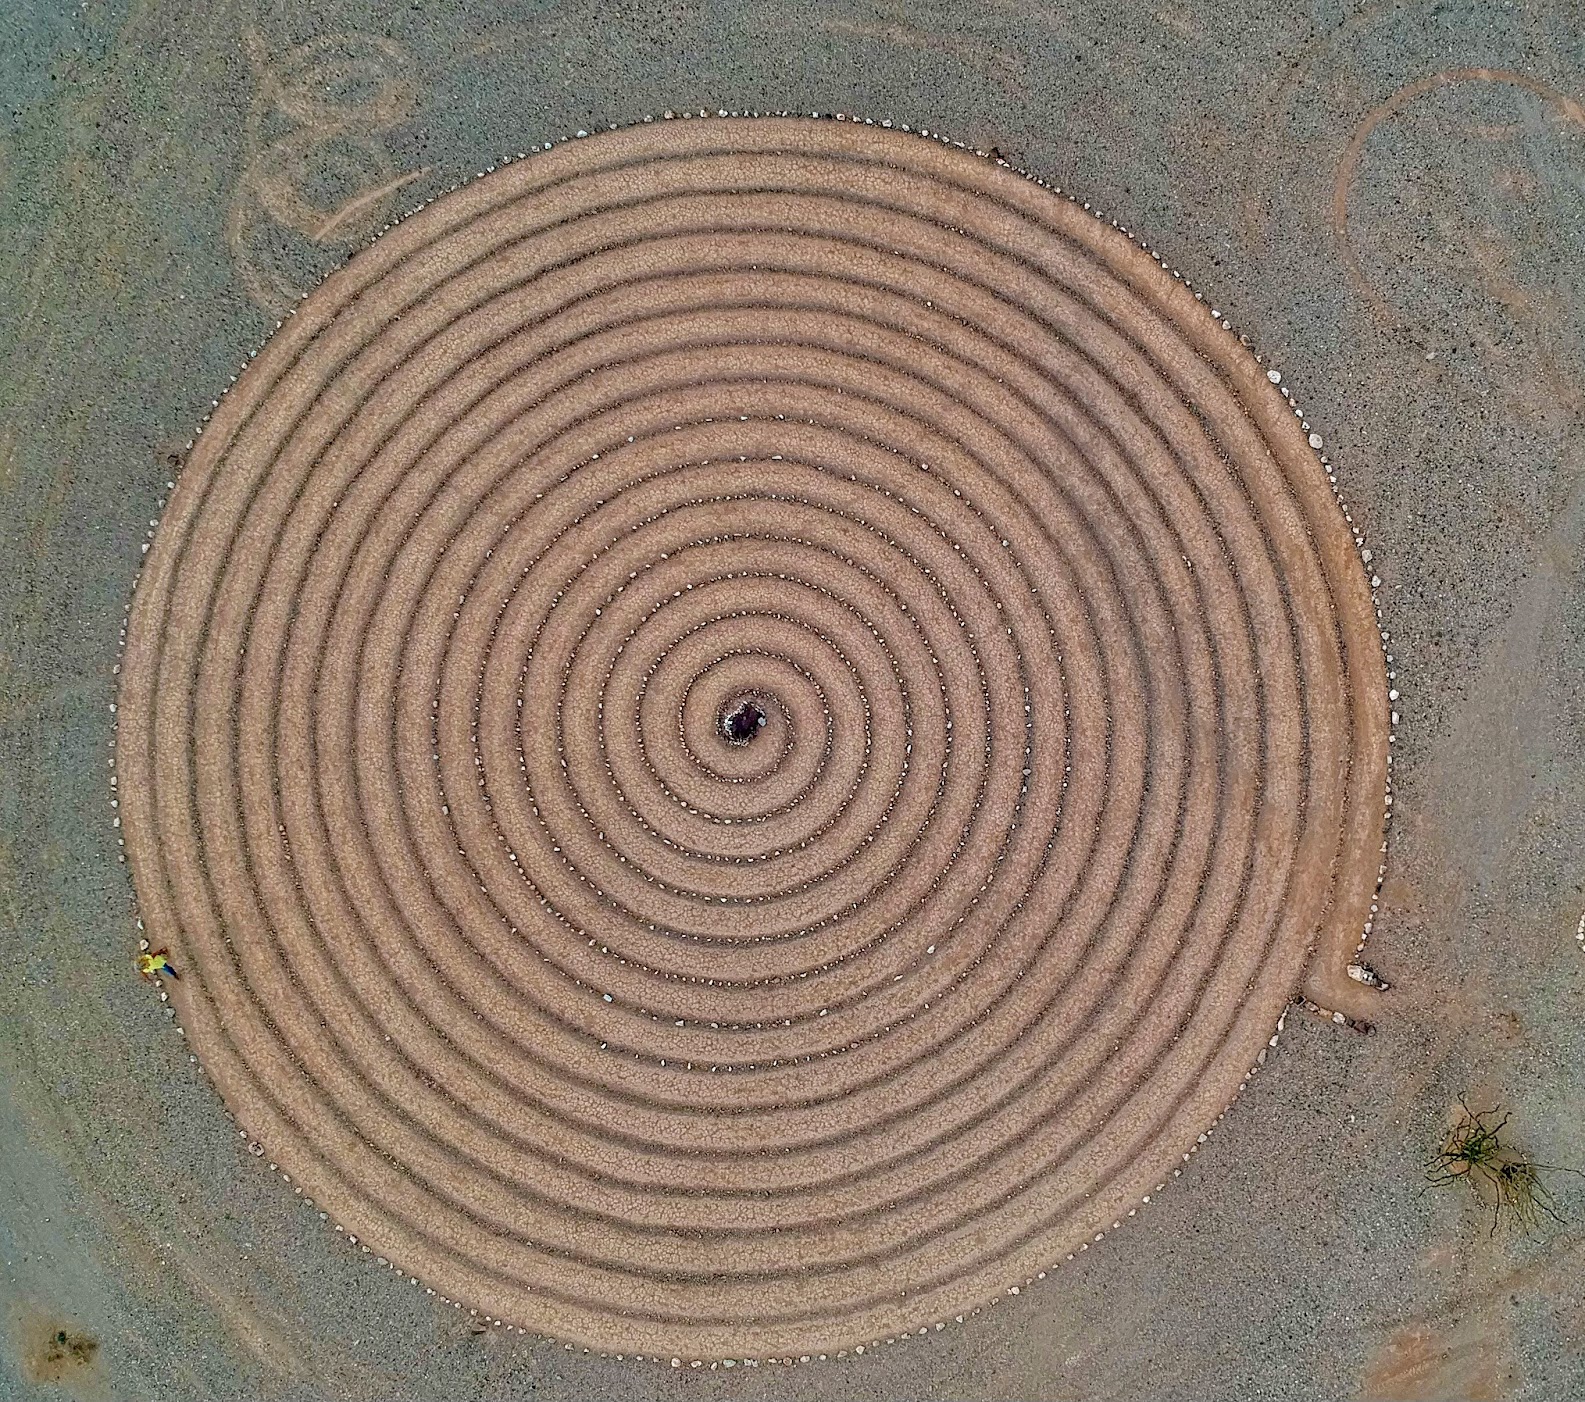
x,y
1408,250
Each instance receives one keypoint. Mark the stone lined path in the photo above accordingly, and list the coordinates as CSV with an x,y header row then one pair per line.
x,y
594,1006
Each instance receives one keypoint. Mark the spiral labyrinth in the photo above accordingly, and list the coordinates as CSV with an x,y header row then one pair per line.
x,y
739,733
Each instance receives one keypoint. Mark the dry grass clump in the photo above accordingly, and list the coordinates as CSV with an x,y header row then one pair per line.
x,y
1506,1180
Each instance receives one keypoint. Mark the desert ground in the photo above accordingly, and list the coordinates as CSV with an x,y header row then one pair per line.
x,y
1383,200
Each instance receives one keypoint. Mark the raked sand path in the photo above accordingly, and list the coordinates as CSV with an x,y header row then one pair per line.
x,y
740,732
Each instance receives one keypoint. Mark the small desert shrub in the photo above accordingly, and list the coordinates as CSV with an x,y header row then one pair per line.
x,y
1505,1180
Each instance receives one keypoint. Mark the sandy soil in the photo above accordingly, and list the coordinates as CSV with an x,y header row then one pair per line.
x,y
1386,203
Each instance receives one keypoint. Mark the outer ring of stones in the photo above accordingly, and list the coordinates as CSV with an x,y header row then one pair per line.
x,y
665,1046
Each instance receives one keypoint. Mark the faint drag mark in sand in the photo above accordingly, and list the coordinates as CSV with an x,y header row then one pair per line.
x,y
317,169
1485,750
1486,747
1002,66
1269,112
1464,1348
214,1289
1469,1360
1347,172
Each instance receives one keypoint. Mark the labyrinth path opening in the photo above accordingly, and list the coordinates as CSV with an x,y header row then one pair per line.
x,y
740,732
